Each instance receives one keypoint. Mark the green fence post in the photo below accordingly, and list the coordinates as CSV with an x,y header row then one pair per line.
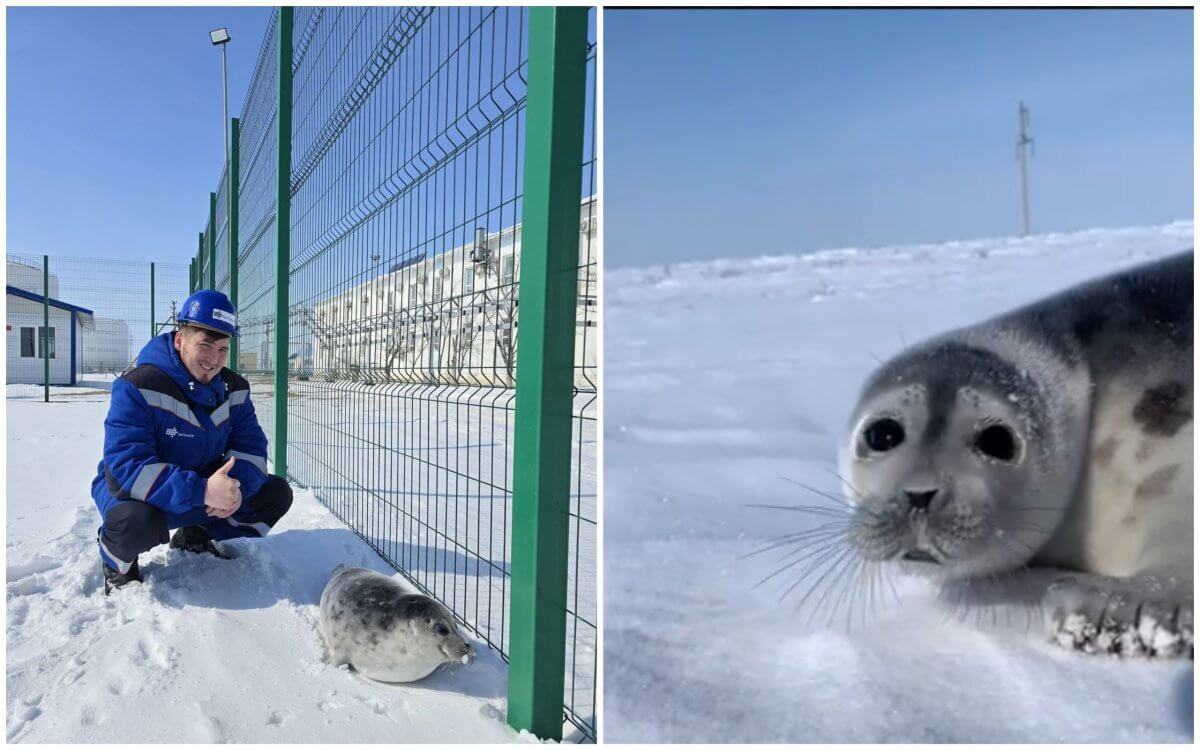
x,y
191,276
46,322
153,327
200,264
231,212
212,240
283,223
545,367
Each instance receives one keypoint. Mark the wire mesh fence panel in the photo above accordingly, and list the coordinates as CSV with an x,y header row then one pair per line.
x,y
407,145
170,290
580,688
221,216
406,150
256,232
100,315
202,261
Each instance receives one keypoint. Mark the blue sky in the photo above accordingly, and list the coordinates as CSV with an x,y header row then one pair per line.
x,y
114,126
739,133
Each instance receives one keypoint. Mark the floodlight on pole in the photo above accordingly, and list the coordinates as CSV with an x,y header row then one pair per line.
x,y
220,38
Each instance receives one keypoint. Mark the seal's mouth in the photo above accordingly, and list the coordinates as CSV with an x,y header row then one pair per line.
x,y
464,655
921,556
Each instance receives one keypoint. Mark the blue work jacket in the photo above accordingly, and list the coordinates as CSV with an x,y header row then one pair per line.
x,y
164,428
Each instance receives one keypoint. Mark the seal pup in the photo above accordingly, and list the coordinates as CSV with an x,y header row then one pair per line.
x,y
385,630
1058,435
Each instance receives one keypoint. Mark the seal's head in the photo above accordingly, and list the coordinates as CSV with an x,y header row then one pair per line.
x,y
950,451
436,634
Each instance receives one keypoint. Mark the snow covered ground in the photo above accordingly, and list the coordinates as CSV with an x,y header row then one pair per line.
x,y
206,650
728,381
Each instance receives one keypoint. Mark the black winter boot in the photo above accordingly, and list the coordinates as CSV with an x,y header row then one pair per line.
x,y
114,579
196,539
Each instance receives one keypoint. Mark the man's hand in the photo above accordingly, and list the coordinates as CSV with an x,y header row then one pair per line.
x,y
223,495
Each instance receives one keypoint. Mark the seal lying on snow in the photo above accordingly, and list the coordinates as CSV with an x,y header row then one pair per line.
x,y
386,631
1057,435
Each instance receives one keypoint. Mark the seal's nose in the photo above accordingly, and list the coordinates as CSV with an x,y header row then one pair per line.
x,y
469,656
920,499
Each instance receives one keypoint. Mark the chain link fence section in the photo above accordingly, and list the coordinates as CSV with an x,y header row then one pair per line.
x,y
100,315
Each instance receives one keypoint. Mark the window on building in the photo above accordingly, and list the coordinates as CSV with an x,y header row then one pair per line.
x,y
506,274
41,340
27,346
469,281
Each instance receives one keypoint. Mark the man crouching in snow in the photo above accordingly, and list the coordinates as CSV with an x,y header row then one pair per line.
x,y
183,449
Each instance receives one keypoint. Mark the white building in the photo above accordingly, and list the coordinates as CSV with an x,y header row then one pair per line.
x,y
25,324
447,319
106,348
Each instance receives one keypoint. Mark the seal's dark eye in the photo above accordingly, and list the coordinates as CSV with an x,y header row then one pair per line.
x,y
883,434
442,630
997,442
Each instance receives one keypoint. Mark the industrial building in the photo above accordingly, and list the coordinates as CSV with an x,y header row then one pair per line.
x,y
446,319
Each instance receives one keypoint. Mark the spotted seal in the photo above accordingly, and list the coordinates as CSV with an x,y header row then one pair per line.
x,y
1057,436
385,630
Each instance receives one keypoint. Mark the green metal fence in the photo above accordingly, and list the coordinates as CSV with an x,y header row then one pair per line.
x,y
426,153
81,321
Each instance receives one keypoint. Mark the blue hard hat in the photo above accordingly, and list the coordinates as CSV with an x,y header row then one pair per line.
x,y
209,309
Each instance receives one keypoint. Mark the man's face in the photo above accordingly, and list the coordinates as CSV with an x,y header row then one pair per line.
x,y
202,351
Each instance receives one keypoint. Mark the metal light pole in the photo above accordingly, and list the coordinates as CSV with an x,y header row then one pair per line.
x,y
220,38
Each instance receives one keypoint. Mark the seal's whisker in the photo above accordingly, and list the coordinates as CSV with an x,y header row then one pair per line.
x,y
868,612
830,496
961,601
827,552
834,560
836,537
1004,542
1026,526
839,524
814,509
992,608
1021,523
839,566
791,539
883,583
859,495
824,544
812,551
842,589
867,588
891,586
856,590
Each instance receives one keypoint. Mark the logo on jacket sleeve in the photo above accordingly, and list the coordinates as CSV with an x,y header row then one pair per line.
x,y
172,432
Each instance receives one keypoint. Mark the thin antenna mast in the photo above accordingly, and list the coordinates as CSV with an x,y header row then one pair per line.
x,y
1023,143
